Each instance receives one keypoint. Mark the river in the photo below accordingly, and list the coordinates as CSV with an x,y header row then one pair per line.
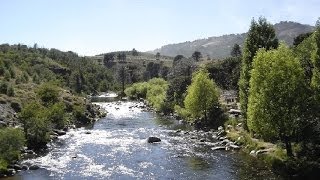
x,y
115,147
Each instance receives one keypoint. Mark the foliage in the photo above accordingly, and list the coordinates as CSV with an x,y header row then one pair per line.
x,y
48,93
315,56
11,142
225,73
303,51
261,35
277,91
202,95
137,90
236,51
156,93
196,56
36,125
152,70
177,58
57,116
300,38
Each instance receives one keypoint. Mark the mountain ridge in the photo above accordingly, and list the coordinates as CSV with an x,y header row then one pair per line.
x,y
220,46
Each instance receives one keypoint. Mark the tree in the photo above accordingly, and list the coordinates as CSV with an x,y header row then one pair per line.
x,y
158,56
123,56
297,40
35,124
177,58
11,142
315,57
236,51
261,35
277,93
134,52
225,73
122,73
196,56
107,58
202,95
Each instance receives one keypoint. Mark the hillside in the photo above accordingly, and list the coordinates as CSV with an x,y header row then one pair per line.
x,y
219,47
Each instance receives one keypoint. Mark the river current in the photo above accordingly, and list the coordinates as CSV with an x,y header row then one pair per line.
x,y
115,147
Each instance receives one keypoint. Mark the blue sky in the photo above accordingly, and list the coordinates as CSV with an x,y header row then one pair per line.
x,y
90,27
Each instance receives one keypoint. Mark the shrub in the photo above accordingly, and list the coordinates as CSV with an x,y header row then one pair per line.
x,y
57,115
35,124
48,93
11,141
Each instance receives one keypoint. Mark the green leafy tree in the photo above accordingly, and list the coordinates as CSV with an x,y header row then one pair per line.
x,y
11,142
202,95
277,93
261,35
35,124
196,56
236,51
156,93
304,52
315,56
301,37
57,115
107,58
177,58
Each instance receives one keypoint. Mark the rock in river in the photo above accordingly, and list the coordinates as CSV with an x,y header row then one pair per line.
x,y
34,167
153,139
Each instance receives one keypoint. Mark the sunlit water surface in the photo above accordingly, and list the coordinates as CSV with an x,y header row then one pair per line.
x,y
115,147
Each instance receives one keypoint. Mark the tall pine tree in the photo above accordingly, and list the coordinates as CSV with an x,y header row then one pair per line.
x,y
261,35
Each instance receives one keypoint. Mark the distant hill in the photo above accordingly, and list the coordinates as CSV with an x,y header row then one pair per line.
x,y
220,47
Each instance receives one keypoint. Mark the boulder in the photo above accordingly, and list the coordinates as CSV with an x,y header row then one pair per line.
x,y
11,172
87,132
153,139
17,167
34,167
24,167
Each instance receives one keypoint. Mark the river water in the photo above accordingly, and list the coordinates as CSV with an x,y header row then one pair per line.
x,y
115,147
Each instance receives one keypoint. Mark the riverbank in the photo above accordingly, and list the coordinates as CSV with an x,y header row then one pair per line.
x,y
80,112
274,155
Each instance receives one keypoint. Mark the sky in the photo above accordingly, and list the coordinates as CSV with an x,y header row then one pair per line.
x,y
90,27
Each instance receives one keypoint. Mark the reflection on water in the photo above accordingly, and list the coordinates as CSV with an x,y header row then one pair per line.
x,y
116,148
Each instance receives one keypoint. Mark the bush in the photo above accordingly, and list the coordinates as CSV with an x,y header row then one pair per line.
x,y
11,141
10,91
137,90
48,93
3,87
35,124
57,115
156,93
